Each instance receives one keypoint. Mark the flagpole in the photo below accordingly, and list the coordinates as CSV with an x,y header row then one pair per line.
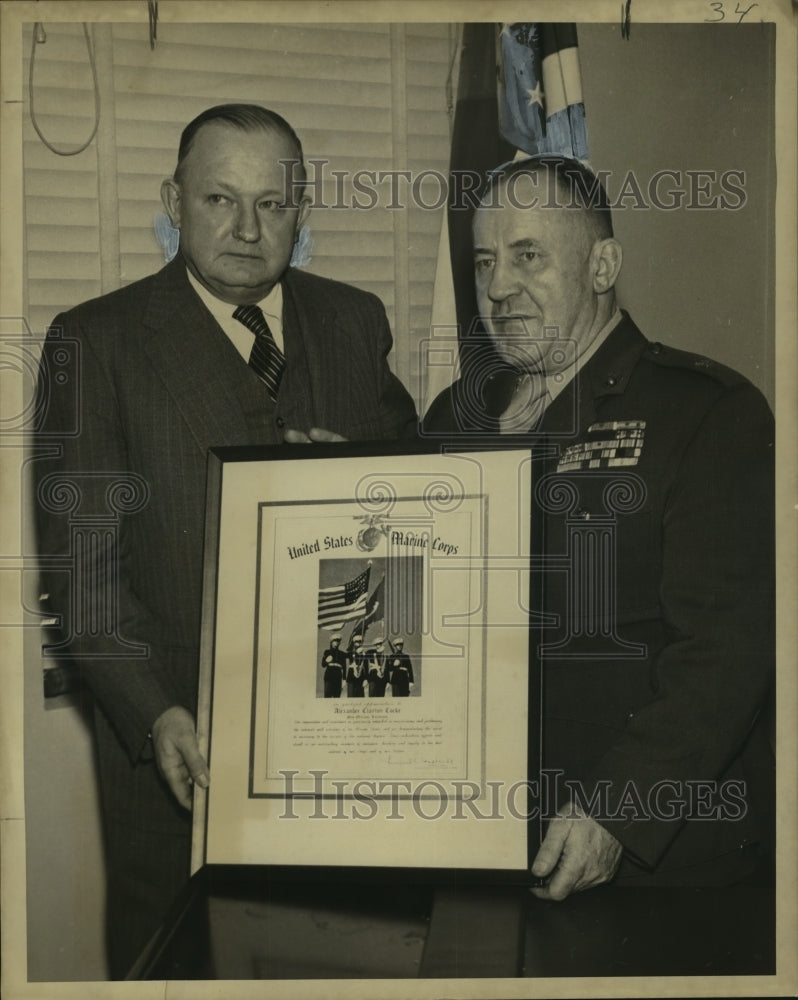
x,y
387,605
363,626
363,619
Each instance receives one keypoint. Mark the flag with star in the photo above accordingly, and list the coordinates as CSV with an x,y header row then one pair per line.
x,y
540,89
477,147
519,93
344,602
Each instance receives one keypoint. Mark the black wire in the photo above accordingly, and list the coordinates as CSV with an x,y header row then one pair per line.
x,y
48,144
152,9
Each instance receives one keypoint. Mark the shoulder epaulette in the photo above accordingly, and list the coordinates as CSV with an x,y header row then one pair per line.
x,y
672,357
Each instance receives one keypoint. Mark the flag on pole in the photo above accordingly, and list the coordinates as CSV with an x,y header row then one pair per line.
x,y
540,90
477,147
343,603
375,605
372,622
519,93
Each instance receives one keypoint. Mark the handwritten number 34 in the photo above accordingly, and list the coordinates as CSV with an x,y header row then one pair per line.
x,y
720,10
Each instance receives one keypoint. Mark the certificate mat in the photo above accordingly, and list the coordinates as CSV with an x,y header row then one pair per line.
x,y
405,743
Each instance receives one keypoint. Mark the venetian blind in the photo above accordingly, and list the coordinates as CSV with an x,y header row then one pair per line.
x,y
336,84
61,210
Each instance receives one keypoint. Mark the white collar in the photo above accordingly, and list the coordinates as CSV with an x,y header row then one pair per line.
x,y
222,312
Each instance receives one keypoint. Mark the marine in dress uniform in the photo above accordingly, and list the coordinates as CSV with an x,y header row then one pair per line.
x,y
377,671
356,671
401,671
658,674
333,663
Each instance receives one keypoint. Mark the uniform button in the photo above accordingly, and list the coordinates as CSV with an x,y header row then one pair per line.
x,y
630,716
280,422
656,347
612,380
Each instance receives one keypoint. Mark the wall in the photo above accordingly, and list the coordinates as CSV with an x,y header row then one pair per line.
x,y
65,905
363,98
688,98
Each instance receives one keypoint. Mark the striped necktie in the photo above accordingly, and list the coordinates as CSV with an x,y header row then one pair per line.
x,y
266,359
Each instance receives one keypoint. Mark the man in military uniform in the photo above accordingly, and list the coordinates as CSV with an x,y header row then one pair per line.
x,y
658,674
377,672
400,670
356,672
333,663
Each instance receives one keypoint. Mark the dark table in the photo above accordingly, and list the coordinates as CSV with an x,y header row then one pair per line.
x,y
244,922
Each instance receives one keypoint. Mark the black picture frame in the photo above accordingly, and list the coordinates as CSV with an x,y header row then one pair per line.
x,y
227,468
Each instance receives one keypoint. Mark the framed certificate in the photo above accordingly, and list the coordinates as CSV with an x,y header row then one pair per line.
x,y
367,692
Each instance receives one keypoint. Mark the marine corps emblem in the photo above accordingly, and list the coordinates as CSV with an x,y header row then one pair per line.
x,y
373,529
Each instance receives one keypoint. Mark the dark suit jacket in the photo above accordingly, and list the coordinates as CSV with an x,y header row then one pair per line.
x,y
156,384
670,682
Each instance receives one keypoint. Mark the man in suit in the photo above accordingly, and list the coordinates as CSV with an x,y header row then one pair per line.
x,y
653,473
165,369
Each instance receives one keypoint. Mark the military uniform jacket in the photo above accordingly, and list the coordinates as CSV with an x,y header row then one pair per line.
x,y
334,654
356,677
654,511
333,663
400,669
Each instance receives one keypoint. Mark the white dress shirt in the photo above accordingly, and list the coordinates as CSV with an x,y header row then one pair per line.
x,y
241,336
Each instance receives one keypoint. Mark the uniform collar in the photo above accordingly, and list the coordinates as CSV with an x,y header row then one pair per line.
x,y
611,367
607,373
554,385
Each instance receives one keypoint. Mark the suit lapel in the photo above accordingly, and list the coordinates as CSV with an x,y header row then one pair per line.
x,y
195,360
312,346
